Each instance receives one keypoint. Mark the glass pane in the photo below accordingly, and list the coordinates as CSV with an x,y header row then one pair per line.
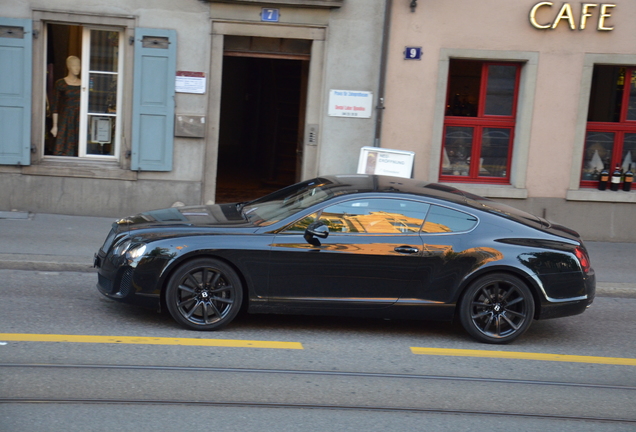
x,y
464,77
375,216
458,144
104,50
495,150
606,94
443,220
301,225
631,105
500,92
629,152
100,135
102,96
63,68
598,152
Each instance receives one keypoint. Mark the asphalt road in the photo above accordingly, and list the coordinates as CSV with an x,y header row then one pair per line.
x,y
320,374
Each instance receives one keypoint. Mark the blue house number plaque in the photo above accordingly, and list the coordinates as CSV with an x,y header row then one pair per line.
x,y
413,53
270,15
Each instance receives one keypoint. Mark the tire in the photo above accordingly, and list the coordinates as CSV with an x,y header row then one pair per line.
x,y
204,294
497,308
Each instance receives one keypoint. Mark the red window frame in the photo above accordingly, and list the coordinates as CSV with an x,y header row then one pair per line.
x,y
619,129
478,123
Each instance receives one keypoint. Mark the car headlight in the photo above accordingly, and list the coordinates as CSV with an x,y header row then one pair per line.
x,y
121,248
136,251
130,249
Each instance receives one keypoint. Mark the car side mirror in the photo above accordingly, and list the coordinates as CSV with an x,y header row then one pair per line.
x,y
316,230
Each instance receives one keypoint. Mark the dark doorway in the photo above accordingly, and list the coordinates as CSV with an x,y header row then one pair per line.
x,y
261,125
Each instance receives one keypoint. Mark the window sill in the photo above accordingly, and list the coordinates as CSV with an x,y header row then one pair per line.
x,y
307,3
491,191
81,169
601,196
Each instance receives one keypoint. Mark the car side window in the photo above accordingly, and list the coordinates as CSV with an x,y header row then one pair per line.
x,y
301,225
375,216
445,220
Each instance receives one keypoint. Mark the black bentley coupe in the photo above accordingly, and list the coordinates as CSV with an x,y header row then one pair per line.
x,y
355,245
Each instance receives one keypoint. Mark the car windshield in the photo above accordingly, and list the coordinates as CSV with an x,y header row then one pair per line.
x,y
287,201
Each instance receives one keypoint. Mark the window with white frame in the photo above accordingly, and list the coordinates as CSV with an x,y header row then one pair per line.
x,y
83,91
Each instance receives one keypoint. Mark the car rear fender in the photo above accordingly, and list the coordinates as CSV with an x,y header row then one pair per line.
x,y
531,281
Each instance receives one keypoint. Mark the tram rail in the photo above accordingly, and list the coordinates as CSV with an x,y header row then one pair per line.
x,y
316,406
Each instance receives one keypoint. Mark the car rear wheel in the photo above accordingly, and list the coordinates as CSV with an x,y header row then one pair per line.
x,y
497,308
204,294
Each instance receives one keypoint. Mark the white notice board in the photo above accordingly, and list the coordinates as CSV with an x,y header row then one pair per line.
x,y
381,161
190,82
350,103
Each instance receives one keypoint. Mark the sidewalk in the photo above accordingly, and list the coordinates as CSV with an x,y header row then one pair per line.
x,y
47,242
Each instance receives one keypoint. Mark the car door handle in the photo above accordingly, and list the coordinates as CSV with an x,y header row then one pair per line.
x,y
406,250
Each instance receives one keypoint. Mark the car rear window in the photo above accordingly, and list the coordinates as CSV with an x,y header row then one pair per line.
x,y
506,211
445,220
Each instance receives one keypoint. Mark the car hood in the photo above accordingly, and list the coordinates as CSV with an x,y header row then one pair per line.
x,y
217,215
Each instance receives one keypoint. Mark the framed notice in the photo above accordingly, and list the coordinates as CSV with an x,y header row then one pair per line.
x,y
350,103
101,130
381,161
190,82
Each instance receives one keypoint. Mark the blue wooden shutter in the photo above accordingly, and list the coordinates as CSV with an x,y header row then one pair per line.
x,y
153,99
16,41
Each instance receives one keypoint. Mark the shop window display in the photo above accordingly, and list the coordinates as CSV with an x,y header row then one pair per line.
x,y
65,110
83,80
610,138
479,121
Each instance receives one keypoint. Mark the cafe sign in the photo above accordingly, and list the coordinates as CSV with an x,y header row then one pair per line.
x,y
544,16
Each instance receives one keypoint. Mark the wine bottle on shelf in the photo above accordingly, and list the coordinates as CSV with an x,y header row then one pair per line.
x,y
616,178
603,178
629,177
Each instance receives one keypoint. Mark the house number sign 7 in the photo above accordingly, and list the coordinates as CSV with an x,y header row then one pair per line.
x,y
270,15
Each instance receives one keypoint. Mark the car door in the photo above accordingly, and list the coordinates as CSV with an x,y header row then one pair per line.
x,y
368,260
450,252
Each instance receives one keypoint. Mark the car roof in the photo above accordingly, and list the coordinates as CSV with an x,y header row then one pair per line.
x,y
360,183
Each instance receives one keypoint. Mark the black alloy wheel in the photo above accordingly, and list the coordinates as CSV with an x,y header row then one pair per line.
x,y
204,294
497,308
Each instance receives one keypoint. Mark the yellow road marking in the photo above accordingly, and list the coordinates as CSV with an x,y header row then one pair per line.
x,y
24,337
524,356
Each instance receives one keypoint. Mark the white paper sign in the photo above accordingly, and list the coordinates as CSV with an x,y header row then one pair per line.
x,y
350,103
381,161
190,82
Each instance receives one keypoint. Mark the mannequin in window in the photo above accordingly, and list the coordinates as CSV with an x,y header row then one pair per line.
x,y
65,109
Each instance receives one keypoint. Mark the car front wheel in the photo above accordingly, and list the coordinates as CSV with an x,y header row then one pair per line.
x,y
497,308
204,294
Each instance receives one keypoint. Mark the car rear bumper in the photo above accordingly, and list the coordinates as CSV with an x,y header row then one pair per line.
x,y
568,307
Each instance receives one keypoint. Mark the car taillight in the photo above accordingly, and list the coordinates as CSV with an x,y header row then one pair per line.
x,y
584,259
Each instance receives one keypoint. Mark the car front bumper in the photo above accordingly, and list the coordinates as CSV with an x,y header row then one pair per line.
x,y
121,282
